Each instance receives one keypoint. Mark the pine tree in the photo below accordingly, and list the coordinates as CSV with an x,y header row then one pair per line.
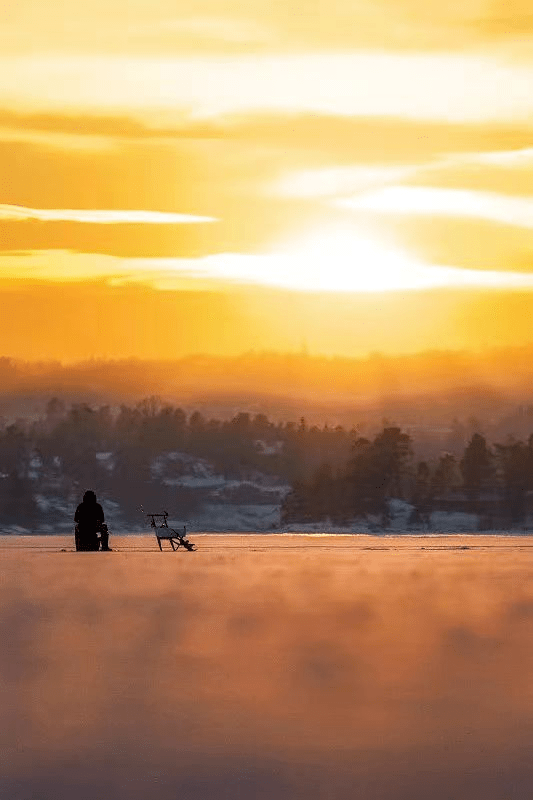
x,y
477,467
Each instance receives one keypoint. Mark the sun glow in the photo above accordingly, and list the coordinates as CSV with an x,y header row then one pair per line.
x,y
335,260
341,260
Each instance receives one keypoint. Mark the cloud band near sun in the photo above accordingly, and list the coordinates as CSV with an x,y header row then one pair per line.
x,y
447,86
336,262
433,201
99,216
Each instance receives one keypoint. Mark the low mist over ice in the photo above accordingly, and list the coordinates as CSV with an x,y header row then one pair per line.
x,y
272,666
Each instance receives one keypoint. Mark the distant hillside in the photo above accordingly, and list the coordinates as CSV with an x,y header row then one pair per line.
x,y
428,388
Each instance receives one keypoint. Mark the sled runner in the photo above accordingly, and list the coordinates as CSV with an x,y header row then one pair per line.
x,y
161,530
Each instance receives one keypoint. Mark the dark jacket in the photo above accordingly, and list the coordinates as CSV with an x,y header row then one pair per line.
x,y
89,515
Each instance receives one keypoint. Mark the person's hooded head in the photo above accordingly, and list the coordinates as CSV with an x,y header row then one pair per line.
x,y
89,497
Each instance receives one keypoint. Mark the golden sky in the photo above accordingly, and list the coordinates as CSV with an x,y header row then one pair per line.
x,y
216,176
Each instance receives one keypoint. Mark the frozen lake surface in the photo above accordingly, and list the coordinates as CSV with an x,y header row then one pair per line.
x,y
300,542
281,666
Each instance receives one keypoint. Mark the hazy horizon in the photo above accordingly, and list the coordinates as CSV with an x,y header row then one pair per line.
x,y
425,388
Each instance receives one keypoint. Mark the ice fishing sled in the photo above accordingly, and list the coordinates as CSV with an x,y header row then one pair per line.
x,y
177,539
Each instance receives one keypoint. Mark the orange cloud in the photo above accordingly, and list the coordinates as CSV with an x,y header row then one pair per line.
x,y
434,201
99,216
444,86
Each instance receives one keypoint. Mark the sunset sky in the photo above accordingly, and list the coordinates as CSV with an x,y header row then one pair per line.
x,y
347,176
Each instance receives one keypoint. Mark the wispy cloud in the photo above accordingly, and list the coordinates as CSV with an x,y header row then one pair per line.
x,y
369,140
210,28
125,26
100,216
504,158
353,265
432,201
80,142
329,182
447,86
333,181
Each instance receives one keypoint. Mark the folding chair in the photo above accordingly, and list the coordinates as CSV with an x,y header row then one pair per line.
x,y
161,530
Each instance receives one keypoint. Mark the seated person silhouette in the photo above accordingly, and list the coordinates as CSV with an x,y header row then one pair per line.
x,y
89,519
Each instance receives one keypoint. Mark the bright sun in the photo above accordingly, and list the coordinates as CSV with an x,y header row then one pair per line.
x,y
341,260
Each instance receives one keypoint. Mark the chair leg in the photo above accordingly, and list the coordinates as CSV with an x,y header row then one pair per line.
x,y
159,542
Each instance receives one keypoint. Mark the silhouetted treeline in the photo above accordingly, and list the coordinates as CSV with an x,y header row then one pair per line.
x,y
494,483
115,451
142,454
